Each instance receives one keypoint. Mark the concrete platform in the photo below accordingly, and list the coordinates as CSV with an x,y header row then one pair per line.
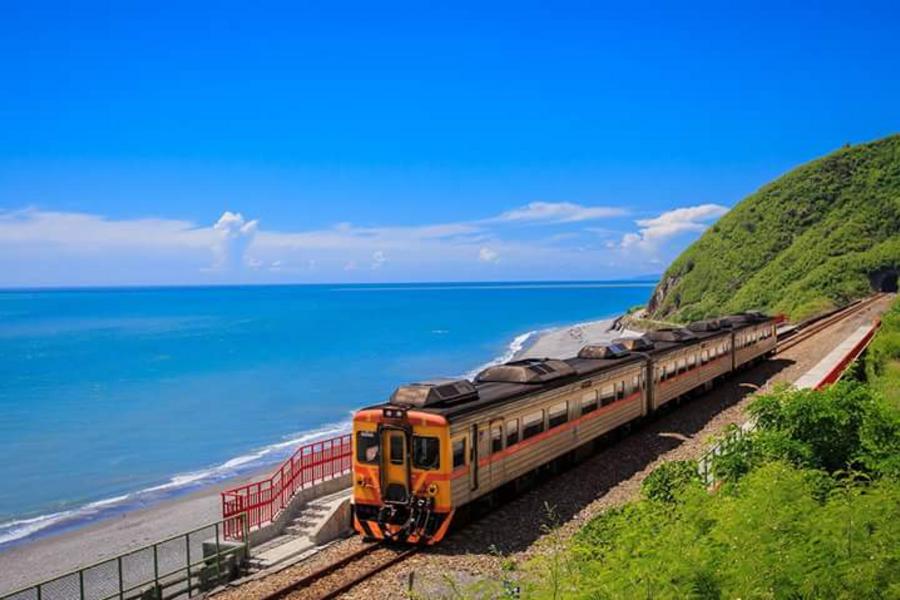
x,y
830,368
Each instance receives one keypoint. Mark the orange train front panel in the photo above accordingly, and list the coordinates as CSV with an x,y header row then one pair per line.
x,y
401,473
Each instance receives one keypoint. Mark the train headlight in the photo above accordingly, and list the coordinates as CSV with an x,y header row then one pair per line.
x,y
432,489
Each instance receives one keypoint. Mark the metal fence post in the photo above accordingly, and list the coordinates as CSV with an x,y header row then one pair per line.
x,y
81,584
121,583
218,557
187,547
155,567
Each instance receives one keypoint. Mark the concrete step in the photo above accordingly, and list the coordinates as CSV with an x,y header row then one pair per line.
x,y
284,551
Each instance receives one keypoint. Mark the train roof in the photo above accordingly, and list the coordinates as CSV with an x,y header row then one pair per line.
x,y
502,383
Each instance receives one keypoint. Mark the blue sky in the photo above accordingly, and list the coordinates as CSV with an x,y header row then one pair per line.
x,y
265,142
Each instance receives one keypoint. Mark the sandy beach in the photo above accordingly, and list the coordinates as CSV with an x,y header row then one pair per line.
x,y
55,554
565,342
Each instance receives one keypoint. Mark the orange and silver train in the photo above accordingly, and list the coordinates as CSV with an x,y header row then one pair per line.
x,y
434,448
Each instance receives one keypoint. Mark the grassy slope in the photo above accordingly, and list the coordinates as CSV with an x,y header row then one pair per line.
x,y
883,357
800,244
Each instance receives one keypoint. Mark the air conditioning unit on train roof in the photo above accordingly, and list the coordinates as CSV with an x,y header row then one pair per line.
x,y
745,318
529,370
595,351
635,344
421,395
705,325
671,335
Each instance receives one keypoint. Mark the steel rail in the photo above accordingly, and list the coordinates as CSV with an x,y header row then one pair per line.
x,y
330,569
819,325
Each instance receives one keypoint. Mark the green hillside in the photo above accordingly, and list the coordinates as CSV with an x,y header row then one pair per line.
x,y
815,238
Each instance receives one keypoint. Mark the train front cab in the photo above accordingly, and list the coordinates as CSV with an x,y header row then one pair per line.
x,y
401,475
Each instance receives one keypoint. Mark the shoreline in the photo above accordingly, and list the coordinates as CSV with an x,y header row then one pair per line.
x,y
75,541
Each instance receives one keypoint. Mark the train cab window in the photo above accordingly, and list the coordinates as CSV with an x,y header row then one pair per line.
x,y
496,439
558,414
532,424
459,452
589,403
512,432
426,452
367,447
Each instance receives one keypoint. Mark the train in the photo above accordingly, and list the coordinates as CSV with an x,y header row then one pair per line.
x,y
435,448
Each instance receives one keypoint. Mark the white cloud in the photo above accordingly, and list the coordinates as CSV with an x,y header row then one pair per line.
x,y
56,248
235,236
669,224
488,255
557,212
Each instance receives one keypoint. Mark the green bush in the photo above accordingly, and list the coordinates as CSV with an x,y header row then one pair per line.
x,y
668,481
774,537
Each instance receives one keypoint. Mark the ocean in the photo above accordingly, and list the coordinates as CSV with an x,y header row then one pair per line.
x,y
115,398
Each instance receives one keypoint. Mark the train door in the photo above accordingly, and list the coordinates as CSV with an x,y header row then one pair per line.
x,y
395,465
647,384
473,458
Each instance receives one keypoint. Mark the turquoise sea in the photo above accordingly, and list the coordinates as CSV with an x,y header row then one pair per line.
x,y
114,398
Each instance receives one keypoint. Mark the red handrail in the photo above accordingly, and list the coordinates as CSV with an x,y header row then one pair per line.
x,y
264,500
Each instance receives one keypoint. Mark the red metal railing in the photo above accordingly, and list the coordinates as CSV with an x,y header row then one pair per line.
x,y
309,465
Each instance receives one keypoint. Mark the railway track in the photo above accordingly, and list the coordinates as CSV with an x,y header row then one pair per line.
x,y
342,575
332,580
801,335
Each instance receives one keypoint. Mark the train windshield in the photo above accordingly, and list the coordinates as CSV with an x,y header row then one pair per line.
x,y
426,452
367,447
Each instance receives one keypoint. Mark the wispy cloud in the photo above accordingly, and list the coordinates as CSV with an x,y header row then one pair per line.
x,y
557,212
671,223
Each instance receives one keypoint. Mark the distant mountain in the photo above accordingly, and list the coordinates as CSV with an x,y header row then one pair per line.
x,y
824,234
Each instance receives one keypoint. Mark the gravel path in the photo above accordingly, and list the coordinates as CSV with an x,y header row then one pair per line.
x,y
513,532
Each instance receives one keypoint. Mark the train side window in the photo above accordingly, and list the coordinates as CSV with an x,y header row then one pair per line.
x,y
459,452
589,403
679,365
559,414
367,447
670,369
691,361
635,384
704,357
532,424
512,432
620,390
426,452
496,439
607,395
